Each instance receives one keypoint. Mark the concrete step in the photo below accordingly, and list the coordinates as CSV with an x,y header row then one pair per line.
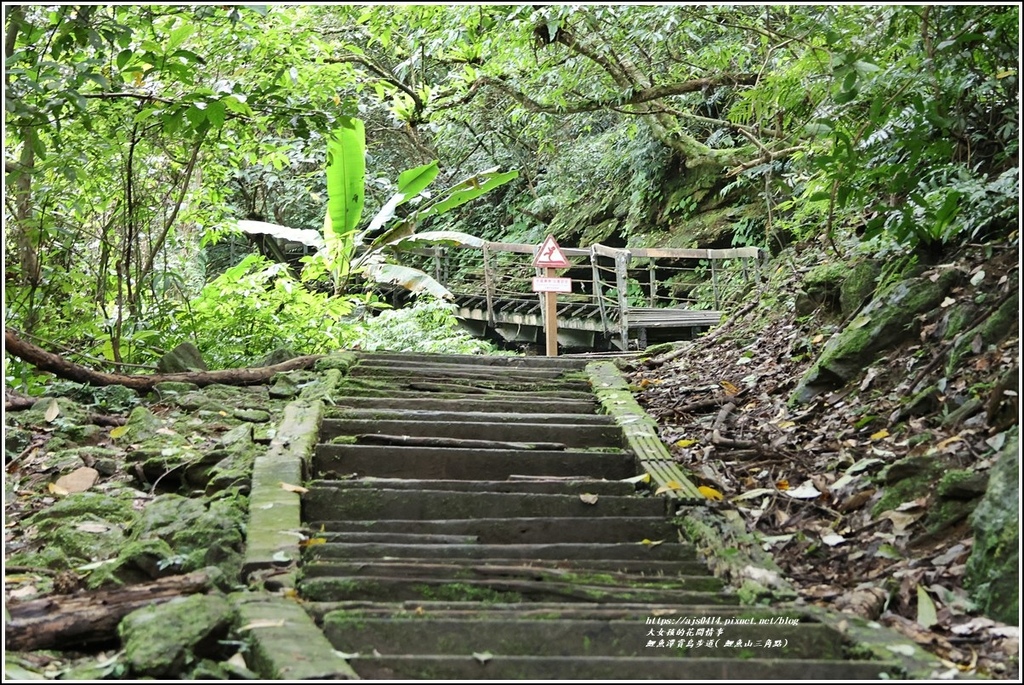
x,y
385,358
580,553
570,435
476,403
399,588
516,570
449,392
653,568
547,487
330,503
469,416
661,664
521,530
574,637
494,373
468,464
472,384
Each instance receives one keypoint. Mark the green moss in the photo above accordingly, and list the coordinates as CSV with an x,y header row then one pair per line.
x,y
462,592
952,479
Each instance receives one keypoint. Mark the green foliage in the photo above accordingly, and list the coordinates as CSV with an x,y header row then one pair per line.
x,y
429,327
255,307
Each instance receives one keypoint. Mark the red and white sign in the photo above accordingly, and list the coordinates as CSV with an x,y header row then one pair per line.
x,y
550,256
545,284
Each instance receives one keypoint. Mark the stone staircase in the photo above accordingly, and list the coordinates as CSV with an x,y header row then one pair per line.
x,y
474,518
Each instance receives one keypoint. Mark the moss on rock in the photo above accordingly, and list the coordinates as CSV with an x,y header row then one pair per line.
x,y
993,569
161,641
858,286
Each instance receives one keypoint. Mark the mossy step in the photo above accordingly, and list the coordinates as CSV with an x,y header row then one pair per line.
x,y
385,588
653,666
702,582
621,611
468,416
481,386
492,373
581,553
503,531
573,637
478,403
570,435
323,503
549,487
529,396
656,569
472,360
469,464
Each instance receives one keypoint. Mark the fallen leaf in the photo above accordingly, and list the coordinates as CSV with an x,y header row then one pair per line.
x,y
669,487
642,478
710,493
52,411
903,650
901,520
947,442
118,431
832,539
345,655
588,498
948,302
880,434
92,527
294,488
23,592
281,556
926,614
682,444
483,657
817,339
78,480
651,543
806,490
164,431
783,425
263,623
782,484
55,489
977,278
312,542
238,660
751,494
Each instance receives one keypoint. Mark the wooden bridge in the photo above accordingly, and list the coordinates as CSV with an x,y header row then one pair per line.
x,y
619,295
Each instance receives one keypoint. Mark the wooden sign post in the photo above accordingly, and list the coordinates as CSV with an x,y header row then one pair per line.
x,y
550,257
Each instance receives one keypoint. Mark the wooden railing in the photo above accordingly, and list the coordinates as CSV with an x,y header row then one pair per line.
x,y
619,287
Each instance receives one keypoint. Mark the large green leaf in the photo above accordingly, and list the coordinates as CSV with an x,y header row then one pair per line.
x,y
411,183
299,235
346,175
446,238
473,187
413,280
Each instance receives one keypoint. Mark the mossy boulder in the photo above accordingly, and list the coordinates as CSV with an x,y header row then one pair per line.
x,y
184,357
162,640
142,425
889,319
993,329
820,288
341,360
993,569
284,386
200,532
858,286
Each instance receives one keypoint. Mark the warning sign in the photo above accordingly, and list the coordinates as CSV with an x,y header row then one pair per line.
x,y
550,255
552,285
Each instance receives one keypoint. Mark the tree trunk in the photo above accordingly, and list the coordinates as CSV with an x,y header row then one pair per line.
x,y
57,365
61,622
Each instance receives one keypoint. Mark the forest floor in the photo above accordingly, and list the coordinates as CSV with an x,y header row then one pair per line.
x,y
809,479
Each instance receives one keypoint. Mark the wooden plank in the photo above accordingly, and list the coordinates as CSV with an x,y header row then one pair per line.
x,y
641,433
604,251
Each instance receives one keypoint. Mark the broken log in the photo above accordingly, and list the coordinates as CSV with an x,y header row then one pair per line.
x,y
58,366
66,621
418,441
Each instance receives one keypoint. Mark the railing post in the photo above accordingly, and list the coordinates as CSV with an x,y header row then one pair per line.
x,y
654,283
621,281
599,290
488,288
714,282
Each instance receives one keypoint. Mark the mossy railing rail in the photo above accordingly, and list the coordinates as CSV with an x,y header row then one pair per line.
x,y
620,293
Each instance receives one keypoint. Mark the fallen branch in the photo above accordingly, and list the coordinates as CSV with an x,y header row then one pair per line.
x,y
58,366
716,437
62,622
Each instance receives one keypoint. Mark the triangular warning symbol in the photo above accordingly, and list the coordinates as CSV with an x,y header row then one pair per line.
x,y
550,255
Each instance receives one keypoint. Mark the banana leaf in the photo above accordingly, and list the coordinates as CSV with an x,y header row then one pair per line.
x,y
469,189
413,280
305,236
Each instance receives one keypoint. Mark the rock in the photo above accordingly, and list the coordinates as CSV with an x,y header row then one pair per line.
x,y
16,440
886,321
281,354
201,532
858,286
251,415
989,332
820,288
962,484
142,425
283,387
340,360
184,357
993,569
160,640
170,389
